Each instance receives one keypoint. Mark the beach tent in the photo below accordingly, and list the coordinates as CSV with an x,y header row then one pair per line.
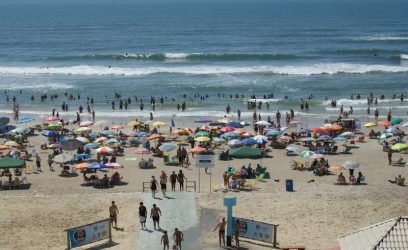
x,y
8,162
245,152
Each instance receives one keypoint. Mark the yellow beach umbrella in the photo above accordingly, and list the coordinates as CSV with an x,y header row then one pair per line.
x,y
159,123
224,120
83,129
100,123
12,144
83,140
370,124
202,139
133,123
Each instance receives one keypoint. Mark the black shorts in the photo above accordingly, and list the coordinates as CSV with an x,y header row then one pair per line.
x,y
221,232
156,218
163,186
113,217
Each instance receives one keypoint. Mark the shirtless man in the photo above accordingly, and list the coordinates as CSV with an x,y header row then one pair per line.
x,y
113,214
178,237
155,214
165,240
163,183
221,230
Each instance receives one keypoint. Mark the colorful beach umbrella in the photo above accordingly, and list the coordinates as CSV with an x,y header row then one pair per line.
x,y
235,125
227,129
108,132
167,147
202,139
385,136
370,124
105,151
399,147
100,139
274,133
86,123
230,135
384,123
396,120
52,118
202,133
218,140
249,141
54,127
91,146
198,150
319,131
234,143
83,129
83,140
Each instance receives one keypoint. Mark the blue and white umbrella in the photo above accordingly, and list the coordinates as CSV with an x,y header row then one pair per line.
x,y
261,139
49,133
218,140
143,134
25,120
235,125
111,141
234,143
323,138
274,132
167,147
393,131
249,141
339,138
231,135
108,132
91,146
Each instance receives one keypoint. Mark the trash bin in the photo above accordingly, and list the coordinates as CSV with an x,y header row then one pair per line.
x,y
289,185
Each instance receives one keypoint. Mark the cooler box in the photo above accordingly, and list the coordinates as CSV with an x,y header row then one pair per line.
x,y
289,185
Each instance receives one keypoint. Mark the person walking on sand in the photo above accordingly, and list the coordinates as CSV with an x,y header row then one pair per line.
x,y
165,240
142,215
180,179
163,183
236,233
153,186
38,162
221,230
173,180
178,237
155,214
113,214
389,153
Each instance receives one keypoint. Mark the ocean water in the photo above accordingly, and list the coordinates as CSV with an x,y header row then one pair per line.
x,y
293,48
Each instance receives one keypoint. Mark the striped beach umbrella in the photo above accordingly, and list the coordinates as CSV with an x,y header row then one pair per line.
x,y
167,147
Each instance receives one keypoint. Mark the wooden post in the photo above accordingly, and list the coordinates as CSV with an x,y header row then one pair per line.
x,y
68,245
275,232
110,231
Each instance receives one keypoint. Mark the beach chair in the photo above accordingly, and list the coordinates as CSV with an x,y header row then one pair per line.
x,y
260,177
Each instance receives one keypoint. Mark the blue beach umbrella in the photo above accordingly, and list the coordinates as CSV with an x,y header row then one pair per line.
x,y
323,138
107,132
274,133
25,120
91,146
231,135
49,133
235,125
95,165
249,141
339,138
167,147
218,140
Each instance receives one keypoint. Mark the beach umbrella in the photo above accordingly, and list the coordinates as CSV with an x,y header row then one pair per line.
x,y
108,132
245,152
319,131
337,168
274,133
393,131
261,139
205,127
155,136
215,124
202,134
4,147
112,141
91,146
248,134
294,123
159,124
308,139
249,141
225,120
12,144
347,134
351,164
306,154
285,139
95,165
132,134
82,166
100,139
54,127
399,147
292,149
202,139
83,129
70,144
263,123
396,120
370,124
316,156
49,133
198,150
143,151
105,150
117,127
240,131
25,120
62,158
235,125
83,140
167,147
385,136
334,127
4,121
143,134
339,138
227,129
52,118
100,123
245,123
133,123
113,165
323,138
130,159
218,140
405,124
234,143
18,131
8,162
384,123
230,135
86,123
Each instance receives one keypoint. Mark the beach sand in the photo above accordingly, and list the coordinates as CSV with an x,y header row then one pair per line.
x,y
314,215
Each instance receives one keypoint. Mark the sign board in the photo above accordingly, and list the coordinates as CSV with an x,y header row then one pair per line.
x,y
90,233
255,230
204,161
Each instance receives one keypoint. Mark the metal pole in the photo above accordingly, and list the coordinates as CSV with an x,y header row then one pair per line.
x,y
275,232
68,245
229,225
110,231
210,178
199,180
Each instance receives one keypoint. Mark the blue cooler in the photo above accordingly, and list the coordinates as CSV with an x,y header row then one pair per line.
x,y
289,185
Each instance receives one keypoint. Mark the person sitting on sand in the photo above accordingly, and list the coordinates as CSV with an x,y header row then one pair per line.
x,y
360,178
398,180
372,134
341,179
352,179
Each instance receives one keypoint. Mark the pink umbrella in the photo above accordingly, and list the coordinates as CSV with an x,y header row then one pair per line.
x,y
101,139
85,124
105,150
294,123
52,118
143,151
248,134
113,165
227,129
319,131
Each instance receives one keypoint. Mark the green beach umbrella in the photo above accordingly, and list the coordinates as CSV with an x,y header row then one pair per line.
x,y
54,127
202,134
292,149
8,162
306,154
399,147
396,120
385,136
245,152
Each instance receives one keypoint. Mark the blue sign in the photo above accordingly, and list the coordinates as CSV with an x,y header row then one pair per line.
x,y
89,233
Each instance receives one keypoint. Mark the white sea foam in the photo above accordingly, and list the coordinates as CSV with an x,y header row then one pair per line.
x,y
349,102
36,86
314,69
383,38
